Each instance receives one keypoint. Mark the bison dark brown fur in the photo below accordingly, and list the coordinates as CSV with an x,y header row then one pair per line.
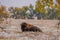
x,y
29,27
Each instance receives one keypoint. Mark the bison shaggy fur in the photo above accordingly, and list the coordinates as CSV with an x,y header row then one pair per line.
x,y
29,27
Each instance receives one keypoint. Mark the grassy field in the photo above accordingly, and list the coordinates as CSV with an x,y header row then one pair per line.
x,y
12,30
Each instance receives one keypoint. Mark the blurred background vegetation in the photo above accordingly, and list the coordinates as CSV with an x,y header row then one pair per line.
x,y
44,9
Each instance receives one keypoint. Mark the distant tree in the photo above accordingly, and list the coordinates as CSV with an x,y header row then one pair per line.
x,y
58,1
58,13
58,9
39,7
18,12
51,10
12,12
31,11
23,12
31,6
3,12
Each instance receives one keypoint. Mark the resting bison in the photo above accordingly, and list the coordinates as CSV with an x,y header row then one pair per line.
x,y
29,27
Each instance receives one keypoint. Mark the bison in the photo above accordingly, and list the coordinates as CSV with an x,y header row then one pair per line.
x,y
28,27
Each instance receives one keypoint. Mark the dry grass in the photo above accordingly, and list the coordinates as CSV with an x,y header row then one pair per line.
x,y
12,30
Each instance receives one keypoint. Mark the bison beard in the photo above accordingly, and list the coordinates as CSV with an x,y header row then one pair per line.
x,y
28,27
